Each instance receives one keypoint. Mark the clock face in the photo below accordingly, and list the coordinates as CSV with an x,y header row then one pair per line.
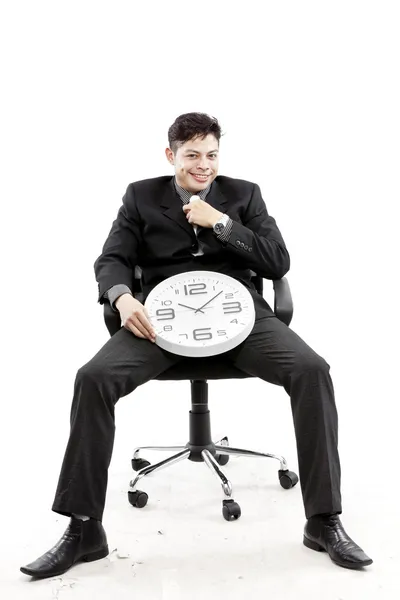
x,y
200,313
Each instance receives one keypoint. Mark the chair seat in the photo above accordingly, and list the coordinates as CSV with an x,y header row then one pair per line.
x,y
209,367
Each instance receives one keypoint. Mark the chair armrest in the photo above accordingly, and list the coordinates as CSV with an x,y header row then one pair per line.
x,y
283,303
112,319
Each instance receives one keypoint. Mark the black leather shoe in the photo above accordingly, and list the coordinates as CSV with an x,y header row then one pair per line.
x,y
326,533
81,541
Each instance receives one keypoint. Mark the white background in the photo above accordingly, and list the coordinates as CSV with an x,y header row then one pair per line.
x,y
307,95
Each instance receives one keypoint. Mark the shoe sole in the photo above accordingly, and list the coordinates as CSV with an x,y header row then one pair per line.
x,y
315,546
86,558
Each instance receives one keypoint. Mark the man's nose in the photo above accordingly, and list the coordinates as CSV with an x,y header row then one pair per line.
x,y
203,164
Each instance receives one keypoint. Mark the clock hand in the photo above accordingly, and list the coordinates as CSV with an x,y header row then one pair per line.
x,y
191,307
209,301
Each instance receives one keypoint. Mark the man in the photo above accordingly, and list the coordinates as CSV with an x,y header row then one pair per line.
x,y
225,228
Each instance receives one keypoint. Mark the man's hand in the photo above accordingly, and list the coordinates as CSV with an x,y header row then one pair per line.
x,y
201,213
134,317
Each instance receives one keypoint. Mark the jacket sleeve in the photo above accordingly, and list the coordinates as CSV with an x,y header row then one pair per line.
x,y
258,241
114,293
116,264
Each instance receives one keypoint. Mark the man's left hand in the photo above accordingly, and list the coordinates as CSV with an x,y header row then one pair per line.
x,y
199,212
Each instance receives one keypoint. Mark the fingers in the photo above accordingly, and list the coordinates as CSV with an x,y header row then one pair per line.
x,y
187,207
142,333
144,325
140,326
189,215
135,330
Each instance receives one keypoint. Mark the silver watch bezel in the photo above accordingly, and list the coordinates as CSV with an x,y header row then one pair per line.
x,y
220,225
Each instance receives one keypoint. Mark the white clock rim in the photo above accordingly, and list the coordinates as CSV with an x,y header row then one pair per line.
x,y
204,351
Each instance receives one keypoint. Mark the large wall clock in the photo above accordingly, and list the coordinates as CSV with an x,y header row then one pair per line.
x,y
200,313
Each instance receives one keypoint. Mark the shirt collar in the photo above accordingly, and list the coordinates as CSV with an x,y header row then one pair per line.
x,y
185,195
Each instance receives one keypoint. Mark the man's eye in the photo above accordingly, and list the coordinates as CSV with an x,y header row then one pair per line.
x,y
191,155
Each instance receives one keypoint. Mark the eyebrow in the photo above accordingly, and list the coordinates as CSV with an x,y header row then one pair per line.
x,y
210,152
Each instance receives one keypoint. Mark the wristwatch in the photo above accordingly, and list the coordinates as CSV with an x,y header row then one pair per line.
x,y
220,225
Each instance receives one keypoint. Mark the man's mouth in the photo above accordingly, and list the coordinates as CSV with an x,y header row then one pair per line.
x,y
200,177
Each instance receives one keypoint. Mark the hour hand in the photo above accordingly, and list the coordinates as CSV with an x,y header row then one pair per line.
x,y
191,307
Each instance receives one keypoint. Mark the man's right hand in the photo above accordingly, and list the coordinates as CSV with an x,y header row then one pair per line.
x,y
134,317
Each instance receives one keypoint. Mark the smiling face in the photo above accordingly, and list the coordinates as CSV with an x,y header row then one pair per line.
x,y
195,157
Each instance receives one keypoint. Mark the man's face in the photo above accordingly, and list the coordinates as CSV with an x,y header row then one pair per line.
x,y
196,156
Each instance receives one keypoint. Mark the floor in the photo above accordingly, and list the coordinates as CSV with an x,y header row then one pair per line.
x,y
179,546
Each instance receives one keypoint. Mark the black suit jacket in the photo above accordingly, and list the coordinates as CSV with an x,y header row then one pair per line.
x,y
151,231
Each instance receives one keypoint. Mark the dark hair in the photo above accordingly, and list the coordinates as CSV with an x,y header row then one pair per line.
x,y
191,125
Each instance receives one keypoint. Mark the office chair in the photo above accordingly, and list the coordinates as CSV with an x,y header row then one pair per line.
x,y
200,447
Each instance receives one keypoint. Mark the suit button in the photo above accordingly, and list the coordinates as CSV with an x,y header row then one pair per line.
x,y
237,242
246,247
250,249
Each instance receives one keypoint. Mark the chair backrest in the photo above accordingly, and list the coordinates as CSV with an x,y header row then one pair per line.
x,y
138,293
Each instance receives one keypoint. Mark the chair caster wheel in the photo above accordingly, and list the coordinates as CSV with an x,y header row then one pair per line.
x,y
138,498
139,463
287,479
230,510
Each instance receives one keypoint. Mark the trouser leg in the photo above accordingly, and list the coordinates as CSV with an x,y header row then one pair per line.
x,y
120,366
275,353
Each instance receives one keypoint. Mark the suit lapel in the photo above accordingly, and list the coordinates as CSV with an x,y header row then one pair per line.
x,y
171,205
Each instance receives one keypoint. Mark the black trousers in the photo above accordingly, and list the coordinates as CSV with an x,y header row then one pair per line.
x,y
272,352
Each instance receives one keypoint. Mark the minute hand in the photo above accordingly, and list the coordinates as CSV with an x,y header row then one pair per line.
x,y
209,301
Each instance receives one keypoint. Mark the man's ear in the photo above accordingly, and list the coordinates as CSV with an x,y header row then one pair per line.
x,y
170,155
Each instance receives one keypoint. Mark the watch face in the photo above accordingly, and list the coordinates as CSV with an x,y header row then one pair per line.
x,y
200,313
219,227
